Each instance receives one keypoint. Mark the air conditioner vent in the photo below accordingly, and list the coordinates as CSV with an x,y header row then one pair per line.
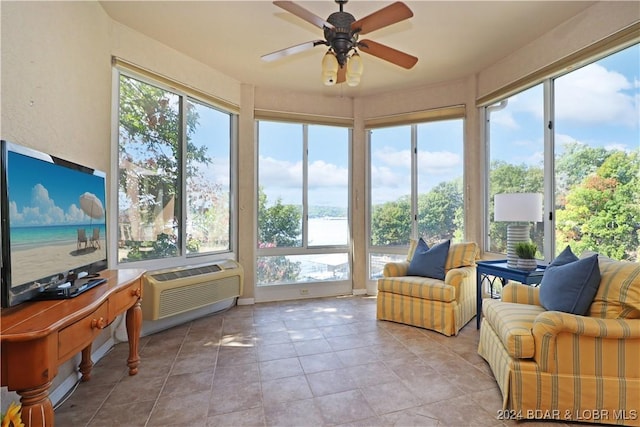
x,y
171,292
180,274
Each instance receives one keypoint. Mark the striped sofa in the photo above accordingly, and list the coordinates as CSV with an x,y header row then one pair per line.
x,y
560,366
444,306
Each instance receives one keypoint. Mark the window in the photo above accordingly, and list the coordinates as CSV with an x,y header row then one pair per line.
x,y
303,203
416,188
516,157
583,154
597,157
174,174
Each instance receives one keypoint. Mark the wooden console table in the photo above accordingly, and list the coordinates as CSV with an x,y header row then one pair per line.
x,y
36,337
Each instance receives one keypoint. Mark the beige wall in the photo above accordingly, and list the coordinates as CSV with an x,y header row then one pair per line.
x,y
57,85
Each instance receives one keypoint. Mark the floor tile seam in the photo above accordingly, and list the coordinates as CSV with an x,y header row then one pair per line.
x,y
166,377
436,419
113,387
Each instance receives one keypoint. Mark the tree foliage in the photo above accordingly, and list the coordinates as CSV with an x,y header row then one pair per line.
x,y
279,225
601,212
391,223
150,153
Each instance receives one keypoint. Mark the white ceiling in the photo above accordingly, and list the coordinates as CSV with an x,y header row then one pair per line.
x,y
452,39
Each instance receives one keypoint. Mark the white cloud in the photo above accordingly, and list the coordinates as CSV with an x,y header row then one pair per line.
x,y
41,211
279,173
438,162
392,157
383,176
323,174
593,94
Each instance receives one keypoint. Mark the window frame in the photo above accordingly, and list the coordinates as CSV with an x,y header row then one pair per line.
x,y
547,77
185,93
270,292
413,119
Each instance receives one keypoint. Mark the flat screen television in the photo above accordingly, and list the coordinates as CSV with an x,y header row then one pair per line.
x,y
52,221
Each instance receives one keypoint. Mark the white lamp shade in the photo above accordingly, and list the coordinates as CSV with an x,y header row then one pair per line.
x,y
518,207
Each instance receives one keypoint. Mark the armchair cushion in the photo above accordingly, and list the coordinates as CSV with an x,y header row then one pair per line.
x,y
429,262
570,287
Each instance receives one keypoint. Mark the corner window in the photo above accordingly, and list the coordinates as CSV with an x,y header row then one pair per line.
x,y
416,188
174,174
303,204
576,139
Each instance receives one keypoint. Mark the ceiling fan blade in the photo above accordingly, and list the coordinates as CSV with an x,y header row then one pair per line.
x,y
342,75
303,13
391,14
291,50
387,53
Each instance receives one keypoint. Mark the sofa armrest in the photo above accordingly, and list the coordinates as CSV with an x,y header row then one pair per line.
x,y
395,269
521,294
562,340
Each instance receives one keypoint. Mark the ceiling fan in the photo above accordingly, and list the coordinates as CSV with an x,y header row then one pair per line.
x,y
341,31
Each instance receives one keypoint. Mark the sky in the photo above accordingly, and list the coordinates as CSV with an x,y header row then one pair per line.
x,y
42,193
598,104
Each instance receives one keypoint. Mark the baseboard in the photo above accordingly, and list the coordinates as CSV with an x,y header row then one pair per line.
x,y
360,292
246,301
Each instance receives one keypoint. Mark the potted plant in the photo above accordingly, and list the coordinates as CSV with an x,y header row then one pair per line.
x,y
526,252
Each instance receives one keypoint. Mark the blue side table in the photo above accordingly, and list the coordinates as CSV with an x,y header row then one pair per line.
x,y
499,269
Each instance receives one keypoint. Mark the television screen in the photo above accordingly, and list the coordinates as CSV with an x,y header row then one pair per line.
x,y
53,217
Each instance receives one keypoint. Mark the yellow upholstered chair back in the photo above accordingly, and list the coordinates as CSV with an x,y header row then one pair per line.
x,y
460,254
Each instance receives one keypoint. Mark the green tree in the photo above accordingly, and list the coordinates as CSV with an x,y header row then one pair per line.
x,y
602,211
391,223
150,129
576,162
440,212
278,226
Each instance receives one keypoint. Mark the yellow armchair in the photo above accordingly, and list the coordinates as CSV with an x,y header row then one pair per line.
x,y
444,306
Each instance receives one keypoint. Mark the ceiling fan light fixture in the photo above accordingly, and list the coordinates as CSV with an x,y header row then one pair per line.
x,y
354,69
329,68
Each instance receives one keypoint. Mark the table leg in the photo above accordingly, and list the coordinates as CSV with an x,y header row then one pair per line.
x,y
134,326
37,410
86,364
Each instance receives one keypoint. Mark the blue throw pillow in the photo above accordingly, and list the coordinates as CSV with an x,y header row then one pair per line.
x,y
429,262
565,257
570,287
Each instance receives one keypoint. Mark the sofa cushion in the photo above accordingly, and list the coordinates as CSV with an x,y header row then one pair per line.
x,y
570,287
429,262
418,287
618,295
513,323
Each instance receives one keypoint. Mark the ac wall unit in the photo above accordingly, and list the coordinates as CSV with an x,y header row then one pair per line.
x,y
179,290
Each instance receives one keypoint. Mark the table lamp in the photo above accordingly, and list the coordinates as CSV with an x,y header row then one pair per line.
x,y
517,207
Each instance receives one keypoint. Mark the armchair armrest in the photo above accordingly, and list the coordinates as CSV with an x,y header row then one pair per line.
x,y
395,269
521,294
456,275
562,341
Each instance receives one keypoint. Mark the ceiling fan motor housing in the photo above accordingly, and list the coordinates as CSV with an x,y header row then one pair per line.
x,y
341,38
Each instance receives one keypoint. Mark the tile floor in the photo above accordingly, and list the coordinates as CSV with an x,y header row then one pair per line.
x,y
318,362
